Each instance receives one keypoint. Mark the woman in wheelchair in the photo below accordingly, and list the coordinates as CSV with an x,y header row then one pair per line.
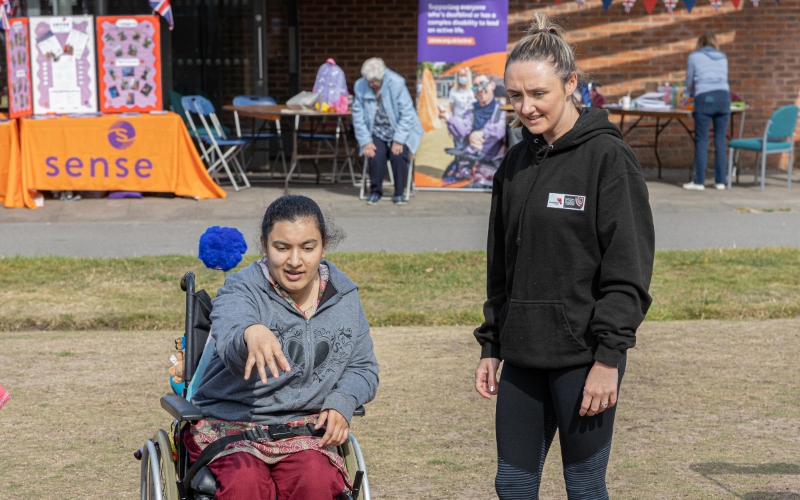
x,y
293,348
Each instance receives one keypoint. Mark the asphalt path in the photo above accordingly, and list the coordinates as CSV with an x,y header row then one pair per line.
x,y
432,221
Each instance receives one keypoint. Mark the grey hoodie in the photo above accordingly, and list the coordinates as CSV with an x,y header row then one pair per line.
x,y
706,71
331,354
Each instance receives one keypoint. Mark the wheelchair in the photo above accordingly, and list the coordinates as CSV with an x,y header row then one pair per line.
x,y
165,469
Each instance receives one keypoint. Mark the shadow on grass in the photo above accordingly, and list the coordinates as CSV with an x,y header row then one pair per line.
x,y
729,468
782,468
766,495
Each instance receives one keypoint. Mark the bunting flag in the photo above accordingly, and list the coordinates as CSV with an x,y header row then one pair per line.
x,y
649,5
689,5
736,3
755,3
670,5
716,4
164,8
5,9
580,3
606,4
628,4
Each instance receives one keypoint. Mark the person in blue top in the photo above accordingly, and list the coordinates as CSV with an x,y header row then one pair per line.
x,y
386,126
707,81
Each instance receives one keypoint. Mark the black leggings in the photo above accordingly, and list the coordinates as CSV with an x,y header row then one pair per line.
x,y
531,405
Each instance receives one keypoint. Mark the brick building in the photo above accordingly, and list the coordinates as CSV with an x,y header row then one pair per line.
x,y
230,47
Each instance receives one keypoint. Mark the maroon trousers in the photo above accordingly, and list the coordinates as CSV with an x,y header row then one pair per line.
x,y
306,475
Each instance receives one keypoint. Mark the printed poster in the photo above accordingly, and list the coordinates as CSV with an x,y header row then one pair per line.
x,y
129,57
18,56
461,55
62,65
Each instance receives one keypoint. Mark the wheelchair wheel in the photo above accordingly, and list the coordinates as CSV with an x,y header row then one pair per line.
x,y
354,462
159,477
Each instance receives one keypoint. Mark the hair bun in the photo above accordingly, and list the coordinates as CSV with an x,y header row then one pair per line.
x,y
542,24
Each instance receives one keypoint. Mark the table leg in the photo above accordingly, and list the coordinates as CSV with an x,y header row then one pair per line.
x,y
655,146
294,152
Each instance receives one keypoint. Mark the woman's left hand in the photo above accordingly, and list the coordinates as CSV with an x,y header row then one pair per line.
x,y
397,148
600,391
337,430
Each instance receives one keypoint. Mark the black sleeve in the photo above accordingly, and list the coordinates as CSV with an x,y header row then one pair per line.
x,y
627,243
488,334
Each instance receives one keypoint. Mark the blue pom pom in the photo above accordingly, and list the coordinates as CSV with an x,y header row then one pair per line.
x,y
222,248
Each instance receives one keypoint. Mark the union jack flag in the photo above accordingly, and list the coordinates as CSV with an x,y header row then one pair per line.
x,y
164,8
628,4
670,5
716,4
5,10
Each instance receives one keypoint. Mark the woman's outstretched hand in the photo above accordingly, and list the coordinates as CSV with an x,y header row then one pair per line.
x,y
600,391
486,377
263,349
336,431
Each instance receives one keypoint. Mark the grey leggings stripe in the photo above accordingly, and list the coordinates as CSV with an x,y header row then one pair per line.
x,y
515,484
587,480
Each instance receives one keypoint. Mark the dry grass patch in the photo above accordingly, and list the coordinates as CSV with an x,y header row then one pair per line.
x,y
708,410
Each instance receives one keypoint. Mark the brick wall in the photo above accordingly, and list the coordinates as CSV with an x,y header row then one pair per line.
x,y
624,51
352,31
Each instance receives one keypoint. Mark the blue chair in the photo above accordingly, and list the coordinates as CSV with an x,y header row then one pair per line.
x,y
176,106
214,140
262,134
780,127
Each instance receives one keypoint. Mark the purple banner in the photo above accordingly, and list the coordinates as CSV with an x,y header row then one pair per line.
x,y
451,31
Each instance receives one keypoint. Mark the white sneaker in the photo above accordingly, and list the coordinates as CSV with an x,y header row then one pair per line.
x,y
720,187
693,187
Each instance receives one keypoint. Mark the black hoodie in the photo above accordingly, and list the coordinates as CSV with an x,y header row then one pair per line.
x,y
570,251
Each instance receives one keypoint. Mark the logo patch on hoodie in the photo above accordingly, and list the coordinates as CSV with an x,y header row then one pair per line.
x,y
566,201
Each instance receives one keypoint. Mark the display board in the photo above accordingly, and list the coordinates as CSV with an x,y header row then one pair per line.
x,y
63,64
129,60
461,51
18,56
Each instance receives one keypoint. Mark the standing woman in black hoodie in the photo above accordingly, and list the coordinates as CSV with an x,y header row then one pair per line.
x,y
570,256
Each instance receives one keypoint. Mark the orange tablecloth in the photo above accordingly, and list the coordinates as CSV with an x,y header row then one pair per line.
x,y
10,179
146,153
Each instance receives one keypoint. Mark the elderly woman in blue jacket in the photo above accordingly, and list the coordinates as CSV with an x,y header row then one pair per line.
x,y
386,125
707,81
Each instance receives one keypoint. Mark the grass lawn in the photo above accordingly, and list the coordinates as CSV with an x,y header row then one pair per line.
x,y
708,410
397,289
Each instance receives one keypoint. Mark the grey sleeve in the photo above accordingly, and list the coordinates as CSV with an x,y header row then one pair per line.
x,y
359,382
235,308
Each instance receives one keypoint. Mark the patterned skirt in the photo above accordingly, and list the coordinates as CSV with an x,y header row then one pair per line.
x,y
209,430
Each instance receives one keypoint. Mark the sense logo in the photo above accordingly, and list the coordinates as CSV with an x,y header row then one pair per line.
x,y
121,135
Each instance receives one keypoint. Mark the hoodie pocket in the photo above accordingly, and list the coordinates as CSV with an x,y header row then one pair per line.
x,y
536,334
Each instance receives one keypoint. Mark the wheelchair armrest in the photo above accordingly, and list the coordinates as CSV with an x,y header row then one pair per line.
x,y
360,411
181,409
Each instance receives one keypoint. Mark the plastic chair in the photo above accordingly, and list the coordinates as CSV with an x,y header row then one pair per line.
x,y
780,127
176,106
261,134
214,140
408,192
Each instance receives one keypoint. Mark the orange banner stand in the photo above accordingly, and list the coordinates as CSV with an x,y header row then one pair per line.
x,y
145,153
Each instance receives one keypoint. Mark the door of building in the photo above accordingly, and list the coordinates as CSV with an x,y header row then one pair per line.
x,y
219,48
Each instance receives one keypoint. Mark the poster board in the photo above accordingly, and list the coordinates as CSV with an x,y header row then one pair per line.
x,y
129,60
463,144
18,56
63,64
